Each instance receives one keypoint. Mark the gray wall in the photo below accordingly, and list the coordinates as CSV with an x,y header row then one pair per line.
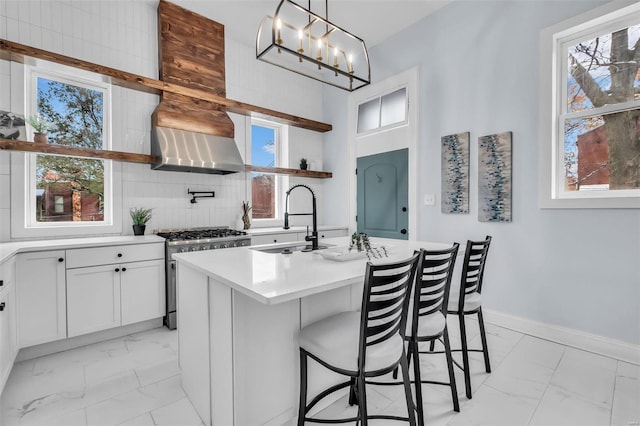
x,y
478,65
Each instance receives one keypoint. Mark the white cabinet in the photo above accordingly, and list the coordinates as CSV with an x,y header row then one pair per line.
x,y
93,299
41,300
293,236
112,286
8,331
332,233
142,291
78,258
285,237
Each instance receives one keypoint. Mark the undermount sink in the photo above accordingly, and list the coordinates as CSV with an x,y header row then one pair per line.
x,y
288,249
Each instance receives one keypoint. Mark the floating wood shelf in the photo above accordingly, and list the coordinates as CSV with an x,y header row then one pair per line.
x,y
291,172
17,52
16,145
129,157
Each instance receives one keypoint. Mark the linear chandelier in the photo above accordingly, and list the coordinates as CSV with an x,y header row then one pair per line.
x,y
301,41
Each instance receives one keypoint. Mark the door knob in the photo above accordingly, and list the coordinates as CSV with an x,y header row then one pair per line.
x,y
403,231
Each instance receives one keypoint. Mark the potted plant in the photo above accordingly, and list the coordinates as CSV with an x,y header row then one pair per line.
x,y
360,242
246,208
40,126
303,164
140,217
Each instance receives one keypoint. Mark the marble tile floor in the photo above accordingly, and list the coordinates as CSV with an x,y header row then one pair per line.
x,y
134,381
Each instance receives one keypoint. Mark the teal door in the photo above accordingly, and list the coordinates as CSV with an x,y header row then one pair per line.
x,y
383,194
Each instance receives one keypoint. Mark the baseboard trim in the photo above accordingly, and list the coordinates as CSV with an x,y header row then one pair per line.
x,y
617,349
36,351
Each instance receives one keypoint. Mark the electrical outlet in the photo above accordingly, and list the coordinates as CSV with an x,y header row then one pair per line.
x,y
430,200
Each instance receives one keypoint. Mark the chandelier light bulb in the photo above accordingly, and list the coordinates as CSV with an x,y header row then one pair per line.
x,y
319,57
279,32
300,48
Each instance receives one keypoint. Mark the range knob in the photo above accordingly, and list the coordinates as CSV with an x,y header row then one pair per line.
x,y
205,247
193,248
181,250
242,244
233,245
223,245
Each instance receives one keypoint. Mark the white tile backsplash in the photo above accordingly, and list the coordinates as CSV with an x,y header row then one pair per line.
x,y
5,224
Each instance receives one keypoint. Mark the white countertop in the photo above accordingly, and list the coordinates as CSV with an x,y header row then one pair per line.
x,y
9,249
275,278
280,230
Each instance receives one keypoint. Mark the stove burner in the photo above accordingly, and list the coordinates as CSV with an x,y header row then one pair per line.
x,y
200,234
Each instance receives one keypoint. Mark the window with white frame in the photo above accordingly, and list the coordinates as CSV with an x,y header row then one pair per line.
x,y
67,191
595,133
268,149
383,112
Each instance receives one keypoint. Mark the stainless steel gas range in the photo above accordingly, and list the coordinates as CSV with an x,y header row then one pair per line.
x,y
193,239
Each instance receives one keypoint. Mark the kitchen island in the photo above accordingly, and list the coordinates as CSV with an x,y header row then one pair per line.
x,y
239,313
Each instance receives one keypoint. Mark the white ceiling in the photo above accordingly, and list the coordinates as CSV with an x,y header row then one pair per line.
x,y
372,20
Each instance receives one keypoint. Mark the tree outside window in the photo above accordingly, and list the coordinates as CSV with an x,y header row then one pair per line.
x,y
601,120
76,115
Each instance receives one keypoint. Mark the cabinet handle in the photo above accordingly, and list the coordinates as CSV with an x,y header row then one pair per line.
x,y
119,254
117,269
60,259
2,305
124,269
275,241
1,283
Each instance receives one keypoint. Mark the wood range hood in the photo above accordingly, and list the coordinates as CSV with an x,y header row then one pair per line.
x,y
190,134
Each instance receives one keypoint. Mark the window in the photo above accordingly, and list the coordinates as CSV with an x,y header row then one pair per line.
x,y
61,196
268,149
58,204
595,132
383,112
65,190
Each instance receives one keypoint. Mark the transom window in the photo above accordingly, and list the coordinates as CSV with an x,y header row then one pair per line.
x,y
383,112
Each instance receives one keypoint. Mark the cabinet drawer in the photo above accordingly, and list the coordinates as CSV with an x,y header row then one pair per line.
x,y
78,258
332,233
285,237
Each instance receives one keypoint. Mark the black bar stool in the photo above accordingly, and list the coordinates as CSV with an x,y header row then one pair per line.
x,y
427,318
469,302
362,344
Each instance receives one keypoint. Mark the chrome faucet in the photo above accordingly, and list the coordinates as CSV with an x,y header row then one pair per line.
x,y
314,233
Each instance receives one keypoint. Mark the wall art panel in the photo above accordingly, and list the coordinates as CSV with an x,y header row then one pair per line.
x,y
455,173
494,178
